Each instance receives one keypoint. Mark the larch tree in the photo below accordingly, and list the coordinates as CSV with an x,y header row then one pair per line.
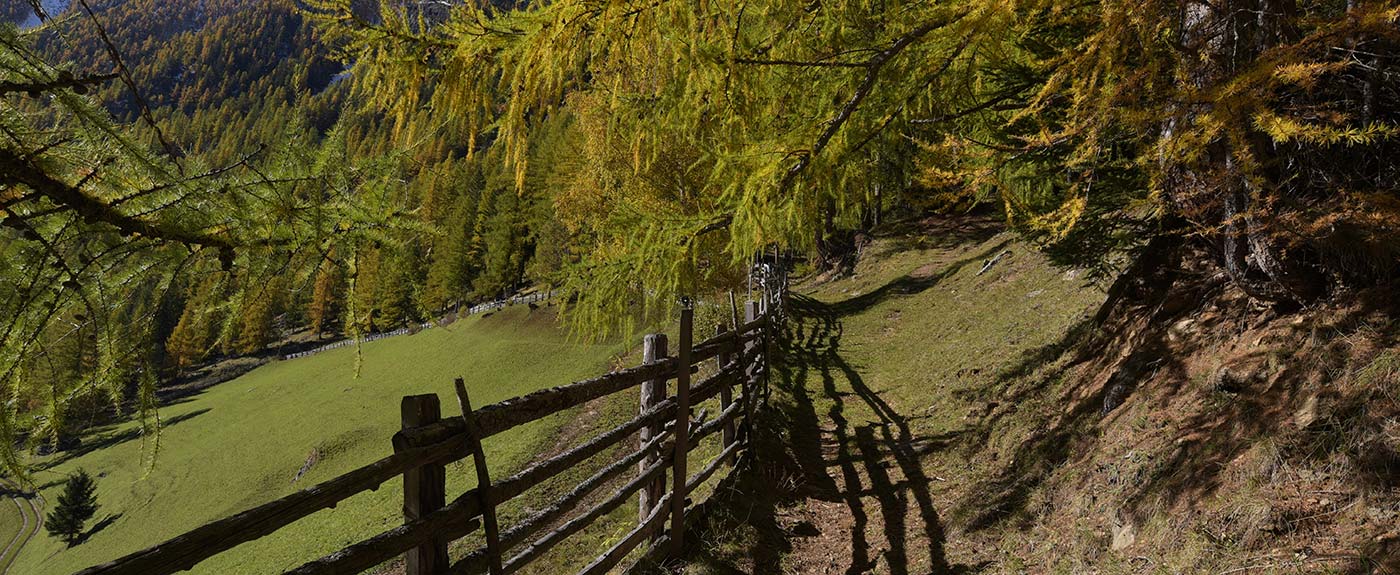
x,y
101,222
1263,129
702,153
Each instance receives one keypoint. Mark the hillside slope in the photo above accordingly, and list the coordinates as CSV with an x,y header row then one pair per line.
x,y
935,418
243,442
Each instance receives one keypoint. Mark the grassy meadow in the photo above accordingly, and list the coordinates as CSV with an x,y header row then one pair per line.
x,y
241,443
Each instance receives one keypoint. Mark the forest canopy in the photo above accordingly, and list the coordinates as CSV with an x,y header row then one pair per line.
x,y
712,131
182,182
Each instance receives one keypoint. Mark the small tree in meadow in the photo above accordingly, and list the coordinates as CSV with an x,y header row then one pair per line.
x,y
76,505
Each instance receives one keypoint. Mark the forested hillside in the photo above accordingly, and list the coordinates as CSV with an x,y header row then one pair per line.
x,y
230,108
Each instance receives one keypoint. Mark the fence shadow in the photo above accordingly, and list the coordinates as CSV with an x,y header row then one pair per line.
x,y
878,459
829,437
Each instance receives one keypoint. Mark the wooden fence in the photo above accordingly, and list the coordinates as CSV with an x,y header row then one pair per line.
x,y
667,429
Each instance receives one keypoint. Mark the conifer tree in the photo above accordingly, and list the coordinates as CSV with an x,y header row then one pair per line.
x,y
261,305
326,298
189,343
75,506
1095,124
97,215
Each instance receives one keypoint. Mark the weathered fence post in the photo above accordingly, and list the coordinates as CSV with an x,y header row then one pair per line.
x,y
682,431
483,482
752,311
653,392
424,489
726,391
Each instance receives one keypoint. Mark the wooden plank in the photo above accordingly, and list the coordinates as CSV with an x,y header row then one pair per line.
x,y
753,319
681,431
712,385
709,470
475,562
653,349
617,552
371,552
713,425
752,316
184,551
483,482
576,524
726,392
710,348
523,480
499,417
424,489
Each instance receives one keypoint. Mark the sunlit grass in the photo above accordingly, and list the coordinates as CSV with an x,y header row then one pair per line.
x,y
240,443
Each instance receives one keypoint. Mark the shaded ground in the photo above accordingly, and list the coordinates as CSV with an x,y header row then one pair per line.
x,y
933,417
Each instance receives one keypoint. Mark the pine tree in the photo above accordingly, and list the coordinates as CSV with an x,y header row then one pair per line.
x,y
76,505
98,211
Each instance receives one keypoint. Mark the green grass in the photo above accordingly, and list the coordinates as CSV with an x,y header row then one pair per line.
x,y
933,337
240,443
877,404
10,524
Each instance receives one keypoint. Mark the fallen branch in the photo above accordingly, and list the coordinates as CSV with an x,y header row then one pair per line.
x,y
992,262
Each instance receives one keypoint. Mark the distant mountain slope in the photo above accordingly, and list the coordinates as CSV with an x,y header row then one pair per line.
x,y
189,56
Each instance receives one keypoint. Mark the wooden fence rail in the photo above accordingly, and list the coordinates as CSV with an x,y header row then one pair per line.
x,y
668,432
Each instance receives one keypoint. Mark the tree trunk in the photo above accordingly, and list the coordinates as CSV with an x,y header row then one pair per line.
x,y
1216,190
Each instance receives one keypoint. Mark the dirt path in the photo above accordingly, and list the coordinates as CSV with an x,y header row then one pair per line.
x,y
30,514
868,501
842,488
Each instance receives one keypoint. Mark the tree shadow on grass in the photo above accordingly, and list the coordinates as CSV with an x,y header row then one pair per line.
x,y
103,439
1131,353
942,232
1005,494
906,285
96,527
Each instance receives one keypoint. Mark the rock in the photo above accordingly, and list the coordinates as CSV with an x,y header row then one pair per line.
x,y
1233,379
1307,414
1124,534
1181,329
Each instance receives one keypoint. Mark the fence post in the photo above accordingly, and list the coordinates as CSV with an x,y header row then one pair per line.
x,y
682,431
483,481
752,311
653,392
726,391
424,489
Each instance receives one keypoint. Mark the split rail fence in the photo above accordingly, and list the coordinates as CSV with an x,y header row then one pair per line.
x,y
665,425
